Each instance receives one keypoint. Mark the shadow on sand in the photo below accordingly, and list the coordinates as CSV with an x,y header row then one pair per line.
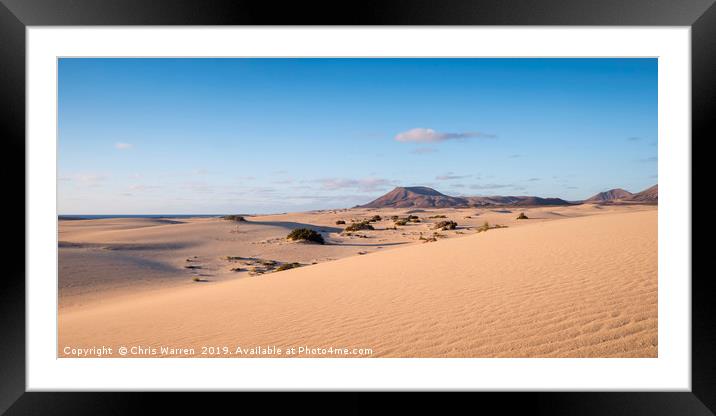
x,y
293,225
124,246
373,245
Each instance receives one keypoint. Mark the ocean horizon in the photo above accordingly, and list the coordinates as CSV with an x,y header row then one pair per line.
x,y
108,216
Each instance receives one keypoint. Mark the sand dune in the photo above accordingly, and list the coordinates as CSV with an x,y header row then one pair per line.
x,y
584,286
105,258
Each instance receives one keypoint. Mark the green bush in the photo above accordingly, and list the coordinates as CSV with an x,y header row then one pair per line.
x,y
357,226
304,234
238,218
445,225
438,216
486,226
375,218
522,216
431,239
401,222
287,266
340,222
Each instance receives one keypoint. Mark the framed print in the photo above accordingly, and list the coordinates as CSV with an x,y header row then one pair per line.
x,y
462,197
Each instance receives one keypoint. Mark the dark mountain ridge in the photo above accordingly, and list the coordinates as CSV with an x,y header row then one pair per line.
x,y
620,196
424,197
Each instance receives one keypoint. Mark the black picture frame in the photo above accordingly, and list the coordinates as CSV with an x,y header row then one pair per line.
x,y
15,15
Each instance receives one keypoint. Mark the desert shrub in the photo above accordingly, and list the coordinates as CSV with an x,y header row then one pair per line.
x,y
375,218
522,216
340,222
234,218
232,258
438,216
191,266
237,269
304,234
401,222
486,226
395,218
445,225
431,239
391,228
357,226
287,266
198,279
257,271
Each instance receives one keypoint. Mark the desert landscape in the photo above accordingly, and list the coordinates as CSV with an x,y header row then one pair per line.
x,y
414,273
412,207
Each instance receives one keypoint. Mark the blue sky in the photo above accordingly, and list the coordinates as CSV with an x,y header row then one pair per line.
x,y
206,136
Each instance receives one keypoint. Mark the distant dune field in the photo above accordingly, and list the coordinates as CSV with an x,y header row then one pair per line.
x,y
570,281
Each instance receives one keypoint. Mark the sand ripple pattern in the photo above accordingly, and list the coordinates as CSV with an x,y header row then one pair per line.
x,y
577,287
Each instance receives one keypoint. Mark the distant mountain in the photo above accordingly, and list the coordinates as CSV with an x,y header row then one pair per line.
x,y
424,197
492,200
620,196
647,195
416,197
517,201
535,200
611,195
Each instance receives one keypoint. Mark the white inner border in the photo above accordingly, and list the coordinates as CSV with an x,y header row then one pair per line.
x,y
670,371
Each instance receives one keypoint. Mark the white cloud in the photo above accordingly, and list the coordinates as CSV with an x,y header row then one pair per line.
x,y
364,185
122,146
423,135
450,176
141,188
494,186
